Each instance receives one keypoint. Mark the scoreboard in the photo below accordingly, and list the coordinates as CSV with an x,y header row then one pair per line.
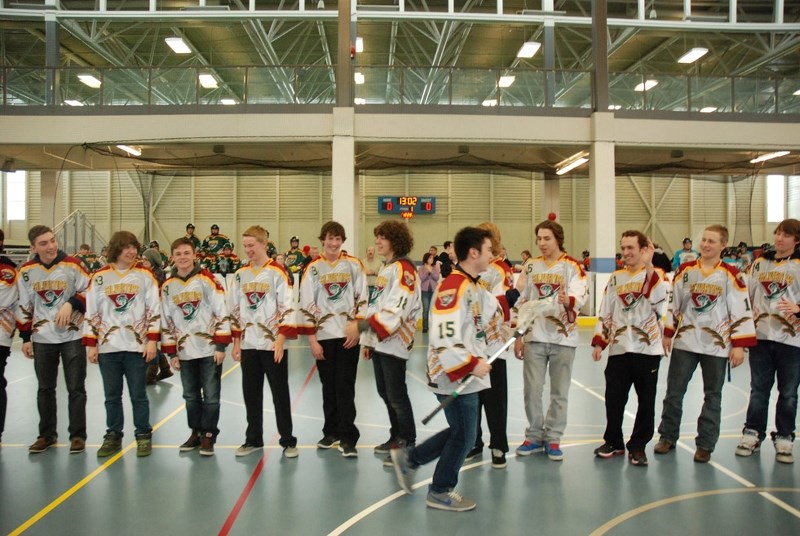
x,y
406,206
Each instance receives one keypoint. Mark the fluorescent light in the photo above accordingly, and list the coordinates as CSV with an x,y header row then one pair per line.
x,y
708,109
768,156
506,81
646,85
572,165
90,80
693,55
359,44
207,81
359,100
796,93
489,102
359,78
134,151
529,49
73,102
178,45
227,102
614,106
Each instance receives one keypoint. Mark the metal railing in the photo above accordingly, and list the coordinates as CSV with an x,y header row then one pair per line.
x,y
151,89
76,229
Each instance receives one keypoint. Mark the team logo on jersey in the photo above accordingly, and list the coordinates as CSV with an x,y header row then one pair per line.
x,y
408,279
546,290
445,298
122,296
188,303
376,293
775,284
50,291
290,259
7,275
255,292
630,294
704,296
335,291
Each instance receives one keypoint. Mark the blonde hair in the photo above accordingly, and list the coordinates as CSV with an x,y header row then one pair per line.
x,y
257,232
497,241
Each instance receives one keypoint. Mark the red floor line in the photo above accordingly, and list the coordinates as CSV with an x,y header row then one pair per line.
x,y
231,519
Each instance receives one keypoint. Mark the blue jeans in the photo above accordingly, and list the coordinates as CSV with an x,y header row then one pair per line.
x,y
202,381
45,363
426,307
390,379
130,365
451,444
681,368
769,360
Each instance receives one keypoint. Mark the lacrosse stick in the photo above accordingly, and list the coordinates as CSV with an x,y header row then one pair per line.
x,y
526,314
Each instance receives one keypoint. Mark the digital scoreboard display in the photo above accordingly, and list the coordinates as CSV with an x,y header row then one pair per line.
x,y
406,206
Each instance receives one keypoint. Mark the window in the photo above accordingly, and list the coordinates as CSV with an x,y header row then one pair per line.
x,y
16,195
776,198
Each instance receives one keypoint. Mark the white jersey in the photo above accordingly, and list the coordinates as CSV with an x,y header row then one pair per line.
x,y
771,280
9,296
709,312
542,280
194,316
261,306
42,292
465,321
497,279
331,295
395,306
123,311
629,317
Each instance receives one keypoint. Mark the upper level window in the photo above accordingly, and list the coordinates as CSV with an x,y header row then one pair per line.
x,y
16,195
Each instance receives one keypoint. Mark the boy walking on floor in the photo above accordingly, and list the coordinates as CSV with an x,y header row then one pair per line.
x,y
262,318
465,320
709,323
195,330
333,298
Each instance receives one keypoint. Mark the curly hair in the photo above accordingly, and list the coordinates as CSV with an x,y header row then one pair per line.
x,y
496,238
398,234
119,241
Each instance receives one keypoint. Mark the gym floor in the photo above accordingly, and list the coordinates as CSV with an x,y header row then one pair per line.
x,y
320,492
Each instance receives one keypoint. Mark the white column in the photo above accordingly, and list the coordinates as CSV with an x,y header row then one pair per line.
x,y
602,200
52,211
344,189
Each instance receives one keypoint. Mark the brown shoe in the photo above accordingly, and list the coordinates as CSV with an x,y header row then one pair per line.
x,y
663,446
152,374
207,444
702,455
41,444
77,445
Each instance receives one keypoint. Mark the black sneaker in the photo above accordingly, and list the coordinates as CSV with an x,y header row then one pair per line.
x,y
348,450
384,448
607,450
474,453
498,459
327,442
637,457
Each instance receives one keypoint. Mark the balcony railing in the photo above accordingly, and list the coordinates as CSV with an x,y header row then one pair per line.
x,y
199,87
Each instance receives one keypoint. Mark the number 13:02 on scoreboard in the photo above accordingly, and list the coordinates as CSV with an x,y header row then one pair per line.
x,y
408,203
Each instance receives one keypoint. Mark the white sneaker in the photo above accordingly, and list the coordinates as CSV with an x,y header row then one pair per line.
x,y
451,501
783,449
291,452
748,444
247,449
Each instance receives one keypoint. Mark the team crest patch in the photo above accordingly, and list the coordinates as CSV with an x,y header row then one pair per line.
x,y
50,296
408,279
630,300
122,301
255,298
774,289
189,309
335,290
7,275
445,299
703,303
546,290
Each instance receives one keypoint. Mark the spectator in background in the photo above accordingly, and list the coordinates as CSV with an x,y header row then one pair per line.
x,y
619,262
281,260
429,275
745,255
373,266
89,260
586,259
446,259
660,259
228,262
684,255
190,236
294,259
214,242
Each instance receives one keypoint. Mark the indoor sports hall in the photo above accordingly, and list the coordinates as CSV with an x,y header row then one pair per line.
x,y
157,116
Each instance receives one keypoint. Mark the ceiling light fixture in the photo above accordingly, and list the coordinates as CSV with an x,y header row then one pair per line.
x,y
708,109
178,45
90,80
796,93
578,159
133,151
614,106
529,49
768,156
359,100
359,78
73,102
228,102
647,85
489,102
208,81
693,55
359,44
506,81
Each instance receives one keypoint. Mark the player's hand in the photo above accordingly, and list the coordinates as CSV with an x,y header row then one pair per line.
x,y
597,353
737,357
27,349
219,357
63,314
236,353
351,334
482,368
316,350
150,351
667,344
176,363
647,254
277,348
519,349
92,354
367,353
788,308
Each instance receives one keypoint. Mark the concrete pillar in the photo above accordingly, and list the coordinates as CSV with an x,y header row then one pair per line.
x,y
602,200
344,190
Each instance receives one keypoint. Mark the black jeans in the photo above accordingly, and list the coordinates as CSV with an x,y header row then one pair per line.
x,y
337,373
390,379
621,372
4,353
45,363
256,364
495,403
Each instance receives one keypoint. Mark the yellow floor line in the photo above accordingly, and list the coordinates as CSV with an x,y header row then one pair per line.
x,y
91,476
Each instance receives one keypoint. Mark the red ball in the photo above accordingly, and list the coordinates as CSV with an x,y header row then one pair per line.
x,y
552,216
